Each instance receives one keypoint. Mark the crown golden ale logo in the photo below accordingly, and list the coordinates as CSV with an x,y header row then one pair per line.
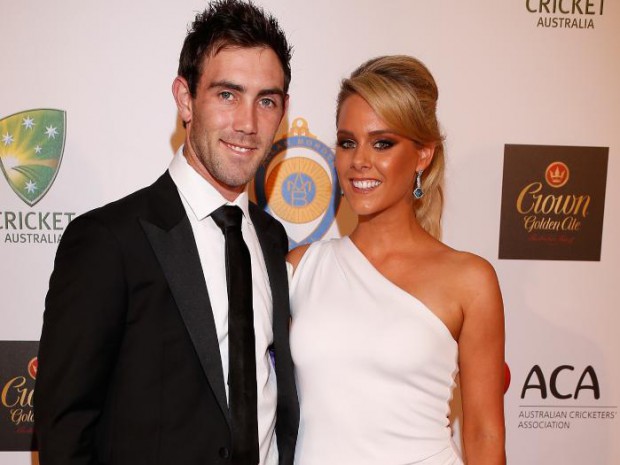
x,y
553,202
551,211
18,372
16,396
299,185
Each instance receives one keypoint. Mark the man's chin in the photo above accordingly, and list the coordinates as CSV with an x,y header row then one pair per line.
x,y
241,178
234,174
235,183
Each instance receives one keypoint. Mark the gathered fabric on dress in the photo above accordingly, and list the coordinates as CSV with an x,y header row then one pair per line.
x,y
375,367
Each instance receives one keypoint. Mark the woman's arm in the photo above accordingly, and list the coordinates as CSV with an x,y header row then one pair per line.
x,y
294,256
481,362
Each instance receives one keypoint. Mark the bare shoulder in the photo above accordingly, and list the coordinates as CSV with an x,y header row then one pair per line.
x,y
476,278
474,267
295,255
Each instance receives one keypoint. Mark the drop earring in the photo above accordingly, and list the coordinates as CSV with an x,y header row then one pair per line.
x,y
418,193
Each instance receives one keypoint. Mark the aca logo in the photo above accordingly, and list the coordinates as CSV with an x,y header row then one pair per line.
x,y
31,146
299,184
562,382
564,397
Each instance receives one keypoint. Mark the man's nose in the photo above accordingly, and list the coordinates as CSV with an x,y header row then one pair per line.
x,y
246,118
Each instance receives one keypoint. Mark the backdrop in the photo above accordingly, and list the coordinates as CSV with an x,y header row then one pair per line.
x,y
530,107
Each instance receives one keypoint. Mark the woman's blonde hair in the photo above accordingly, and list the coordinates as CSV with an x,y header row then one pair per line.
x,y
403,93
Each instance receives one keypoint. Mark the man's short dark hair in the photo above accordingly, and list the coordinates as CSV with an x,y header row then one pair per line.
x,y
231,23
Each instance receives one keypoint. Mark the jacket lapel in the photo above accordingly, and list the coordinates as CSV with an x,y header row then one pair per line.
x,y
274,246
273,250
170,234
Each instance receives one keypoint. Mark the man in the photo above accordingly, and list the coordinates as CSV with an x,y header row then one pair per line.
x,y
135,361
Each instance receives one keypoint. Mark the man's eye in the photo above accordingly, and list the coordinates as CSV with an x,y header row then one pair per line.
x,y
346,144
226,95
383,144
267,103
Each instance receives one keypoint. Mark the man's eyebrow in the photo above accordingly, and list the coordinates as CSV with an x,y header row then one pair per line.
x,y
227,85
272,91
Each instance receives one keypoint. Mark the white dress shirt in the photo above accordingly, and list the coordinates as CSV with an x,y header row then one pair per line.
x,y
200,199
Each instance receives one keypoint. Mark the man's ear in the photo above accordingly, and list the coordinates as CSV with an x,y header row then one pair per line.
x,y
425,156
183,98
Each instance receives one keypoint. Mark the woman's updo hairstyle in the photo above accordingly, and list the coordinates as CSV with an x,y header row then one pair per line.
x,y
403,93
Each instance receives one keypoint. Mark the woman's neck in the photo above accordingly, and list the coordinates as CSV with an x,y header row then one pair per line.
x,y
388,230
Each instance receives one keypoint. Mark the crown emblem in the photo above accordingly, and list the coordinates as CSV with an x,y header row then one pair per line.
x,y
33,366
557,174
299,127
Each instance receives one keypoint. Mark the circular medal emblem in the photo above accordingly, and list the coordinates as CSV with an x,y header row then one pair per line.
x,y
298,189
299,184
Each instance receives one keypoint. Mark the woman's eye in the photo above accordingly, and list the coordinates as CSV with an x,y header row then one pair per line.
x,y
383,144
346,144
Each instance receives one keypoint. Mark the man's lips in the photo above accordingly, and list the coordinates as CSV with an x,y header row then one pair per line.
x,y
238,148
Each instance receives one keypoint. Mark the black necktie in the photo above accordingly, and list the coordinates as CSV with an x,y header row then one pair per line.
x,y
241,339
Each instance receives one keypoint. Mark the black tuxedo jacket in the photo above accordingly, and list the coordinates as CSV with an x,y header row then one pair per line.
x,y
129,364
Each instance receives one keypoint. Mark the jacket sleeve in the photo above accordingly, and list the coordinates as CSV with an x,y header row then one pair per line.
x,y
83,326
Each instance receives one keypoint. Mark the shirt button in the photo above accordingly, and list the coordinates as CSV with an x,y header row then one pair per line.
x,y
224,452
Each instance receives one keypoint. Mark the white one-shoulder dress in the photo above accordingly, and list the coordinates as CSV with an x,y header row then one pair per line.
x,y
375,367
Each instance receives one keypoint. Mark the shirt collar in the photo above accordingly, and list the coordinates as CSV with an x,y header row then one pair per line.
x,y
200,195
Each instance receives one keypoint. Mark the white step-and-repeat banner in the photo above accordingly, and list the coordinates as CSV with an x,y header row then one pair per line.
x,y
530,106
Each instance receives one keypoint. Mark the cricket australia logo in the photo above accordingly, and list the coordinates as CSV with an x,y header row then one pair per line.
x,y
31,147
299,184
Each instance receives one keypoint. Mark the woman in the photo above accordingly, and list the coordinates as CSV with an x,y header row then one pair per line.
x,y
384,319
